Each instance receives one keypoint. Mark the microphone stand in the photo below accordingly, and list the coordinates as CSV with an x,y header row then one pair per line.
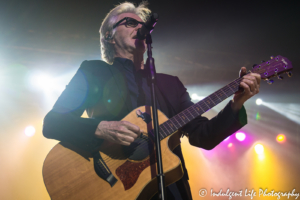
x,y
152,78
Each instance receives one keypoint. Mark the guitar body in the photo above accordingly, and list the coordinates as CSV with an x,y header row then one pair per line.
x,y
69,172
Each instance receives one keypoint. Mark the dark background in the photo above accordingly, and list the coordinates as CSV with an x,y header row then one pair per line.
x,y
202,41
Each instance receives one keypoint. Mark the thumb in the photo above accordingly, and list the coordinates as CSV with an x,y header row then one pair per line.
x,y
243,71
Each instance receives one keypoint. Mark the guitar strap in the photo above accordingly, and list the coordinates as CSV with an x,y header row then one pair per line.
x,y
102,170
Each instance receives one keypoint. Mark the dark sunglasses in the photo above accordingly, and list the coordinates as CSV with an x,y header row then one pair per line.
x,y
130,22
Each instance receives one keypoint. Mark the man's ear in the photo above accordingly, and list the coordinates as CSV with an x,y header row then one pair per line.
x,y
109,38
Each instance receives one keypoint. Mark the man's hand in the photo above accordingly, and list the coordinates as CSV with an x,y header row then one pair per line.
x,y
120,132
250,84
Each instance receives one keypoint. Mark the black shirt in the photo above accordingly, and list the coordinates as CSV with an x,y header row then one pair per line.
x,y
139,89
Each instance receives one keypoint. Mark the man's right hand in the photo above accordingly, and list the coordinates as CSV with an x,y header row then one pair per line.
x,y
120,132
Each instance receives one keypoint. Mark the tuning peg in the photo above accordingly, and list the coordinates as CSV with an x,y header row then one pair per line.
x,y
254,65
270,82
289,74
271,57
280,77
263,61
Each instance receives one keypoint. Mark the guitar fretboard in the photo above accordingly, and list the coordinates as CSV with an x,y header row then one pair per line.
x,y
184,117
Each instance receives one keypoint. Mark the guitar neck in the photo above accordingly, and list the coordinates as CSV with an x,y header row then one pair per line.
x,y
184,117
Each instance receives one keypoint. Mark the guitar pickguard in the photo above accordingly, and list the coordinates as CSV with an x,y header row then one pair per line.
x,y
129,172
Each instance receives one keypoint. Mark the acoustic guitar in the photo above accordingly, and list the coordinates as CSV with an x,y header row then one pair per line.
x,y
129,172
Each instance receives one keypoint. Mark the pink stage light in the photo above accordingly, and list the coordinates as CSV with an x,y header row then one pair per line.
x,y
240,136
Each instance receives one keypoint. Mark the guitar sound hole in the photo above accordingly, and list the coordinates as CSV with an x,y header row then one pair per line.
x,y
139,149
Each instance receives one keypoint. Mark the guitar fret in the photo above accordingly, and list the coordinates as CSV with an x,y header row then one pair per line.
x,y
190,112
198,106
163,126
230,88
186,116
206,109
235,86
183,117
176,116
175,123
192,107
162,131
224,92
211,99
219,98
169,125
176,120
206,101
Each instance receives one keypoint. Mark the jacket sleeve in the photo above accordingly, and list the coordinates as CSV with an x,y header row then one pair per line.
x,y
205,133
64,122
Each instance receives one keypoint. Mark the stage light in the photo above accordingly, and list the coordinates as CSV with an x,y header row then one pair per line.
x,y
43,82
280,138
259,149
29,131
227,138
240,136
229,145
196,97
258,101
46,83
291,111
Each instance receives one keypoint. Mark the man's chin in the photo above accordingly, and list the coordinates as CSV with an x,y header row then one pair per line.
x,y
140,46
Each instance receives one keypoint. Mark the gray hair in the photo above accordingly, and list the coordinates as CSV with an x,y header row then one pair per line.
x,y
107,50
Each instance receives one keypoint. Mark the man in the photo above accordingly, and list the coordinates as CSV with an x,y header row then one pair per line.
x,y
108,91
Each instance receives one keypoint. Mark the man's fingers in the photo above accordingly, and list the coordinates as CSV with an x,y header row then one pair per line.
x,y
246,87
122,138
126,139
124,131
251,82
132,127
247,82
257,77
121,132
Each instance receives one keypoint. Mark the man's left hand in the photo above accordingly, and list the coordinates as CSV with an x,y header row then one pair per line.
x,y
250,85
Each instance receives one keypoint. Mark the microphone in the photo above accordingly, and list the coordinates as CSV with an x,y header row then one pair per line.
x,y
147,27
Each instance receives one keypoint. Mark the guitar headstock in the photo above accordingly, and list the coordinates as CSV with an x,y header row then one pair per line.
x,y
273,68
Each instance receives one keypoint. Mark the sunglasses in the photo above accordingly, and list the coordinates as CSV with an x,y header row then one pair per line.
x,y
130,22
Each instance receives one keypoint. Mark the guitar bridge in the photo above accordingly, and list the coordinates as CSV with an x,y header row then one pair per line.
x,y
102,170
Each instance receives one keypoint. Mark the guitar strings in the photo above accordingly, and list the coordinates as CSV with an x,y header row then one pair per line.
x,y
193,113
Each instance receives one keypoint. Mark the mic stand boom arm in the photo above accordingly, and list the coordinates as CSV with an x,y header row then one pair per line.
x,y
150,67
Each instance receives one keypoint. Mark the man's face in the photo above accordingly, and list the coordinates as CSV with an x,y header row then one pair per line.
x,y
125,37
